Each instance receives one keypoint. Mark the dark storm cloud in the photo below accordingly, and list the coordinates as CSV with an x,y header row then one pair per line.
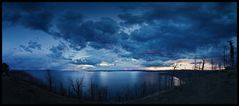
x,y
31,46
167,31
38,21
101,33
174,29
204,17
131,19
157,41
199,12
34,16
69,23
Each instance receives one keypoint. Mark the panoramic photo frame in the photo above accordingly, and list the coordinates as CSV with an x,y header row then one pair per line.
x,y
119,52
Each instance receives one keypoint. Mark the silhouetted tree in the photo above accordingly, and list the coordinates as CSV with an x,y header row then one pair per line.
x,y
195,63
76,87
219,65
5,68
231,54
91,90
199,65
224,57
203,62
212,63
49,80
62,90
175,66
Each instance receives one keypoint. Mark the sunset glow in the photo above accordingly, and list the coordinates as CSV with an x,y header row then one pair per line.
x,y
185,64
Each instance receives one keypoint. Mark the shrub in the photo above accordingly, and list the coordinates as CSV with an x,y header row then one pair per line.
x,y
5,68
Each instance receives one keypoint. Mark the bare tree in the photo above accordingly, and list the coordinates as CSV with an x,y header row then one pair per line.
x,y
62,90
76,86
49,80
5,68
195,63
92,90
212,63
199,65
219,65
231,54
175,66
224,57
203,62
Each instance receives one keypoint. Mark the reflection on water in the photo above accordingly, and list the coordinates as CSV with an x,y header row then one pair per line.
x,y
114,81
176,81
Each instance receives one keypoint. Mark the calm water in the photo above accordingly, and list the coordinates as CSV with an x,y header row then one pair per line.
x,y
114,81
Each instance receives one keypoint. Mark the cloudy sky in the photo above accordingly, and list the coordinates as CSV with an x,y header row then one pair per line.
x,y
72,36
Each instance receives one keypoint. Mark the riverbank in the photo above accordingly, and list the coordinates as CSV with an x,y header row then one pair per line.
x,y
216,88
21,92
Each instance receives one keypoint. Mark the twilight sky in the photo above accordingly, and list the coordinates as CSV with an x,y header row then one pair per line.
x,y
130,35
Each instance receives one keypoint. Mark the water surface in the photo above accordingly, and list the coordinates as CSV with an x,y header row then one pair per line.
x,y
116,82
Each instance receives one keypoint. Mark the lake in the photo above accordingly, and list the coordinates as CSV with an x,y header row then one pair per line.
x,y
115,83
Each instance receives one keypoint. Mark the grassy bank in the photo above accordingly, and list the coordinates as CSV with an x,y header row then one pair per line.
x,y
16,91
217,88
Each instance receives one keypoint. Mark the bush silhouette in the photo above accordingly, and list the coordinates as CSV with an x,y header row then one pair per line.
x,y
5,68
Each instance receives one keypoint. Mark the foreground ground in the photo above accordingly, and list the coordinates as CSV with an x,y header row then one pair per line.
x,y
21,92
217,88
214,88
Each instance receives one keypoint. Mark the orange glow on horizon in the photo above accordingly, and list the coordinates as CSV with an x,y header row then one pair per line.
x,y
183,64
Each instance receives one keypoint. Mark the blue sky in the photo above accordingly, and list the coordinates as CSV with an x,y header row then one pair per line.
x,y
130,35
